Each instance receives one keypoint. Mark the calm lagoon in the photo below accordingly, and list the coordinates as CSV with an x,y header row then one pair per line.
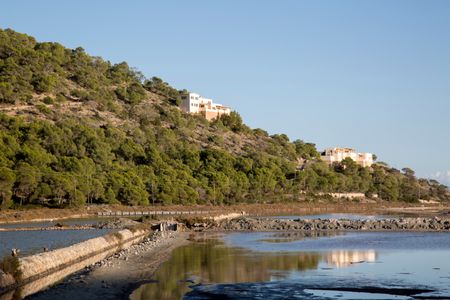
x,y
350,265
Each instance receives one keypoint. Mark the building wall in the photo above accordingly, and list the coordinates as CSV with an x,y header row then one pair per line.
x,y
333,155
210,114
191,103
195,104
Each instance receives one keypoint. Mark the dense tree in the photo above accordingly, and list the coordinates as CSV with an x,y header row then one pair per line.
x,y
7,178
27,180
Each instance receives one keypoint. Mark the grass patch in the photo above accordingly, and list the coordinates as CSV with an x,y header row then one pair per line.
x,y
10,265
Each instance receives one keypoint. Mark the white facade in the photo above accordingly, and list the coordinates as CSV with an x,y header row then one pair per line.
x,y
195,104
191,102
332,155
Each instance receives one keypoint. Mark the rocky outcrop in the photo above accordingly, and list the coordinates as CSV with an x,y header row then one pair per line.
x,y
400,224
117,223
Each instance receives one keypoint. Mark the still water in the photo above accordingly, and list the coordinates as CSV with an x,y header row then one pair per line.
x,y
68,222
356,265
31,242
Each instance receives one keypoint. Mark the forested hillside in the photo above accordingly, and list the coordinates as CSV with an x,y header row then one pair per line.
x,y
76,129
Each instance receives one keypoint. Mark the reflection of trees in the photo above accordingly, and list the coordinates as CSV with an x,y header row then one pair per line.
x,y
213,262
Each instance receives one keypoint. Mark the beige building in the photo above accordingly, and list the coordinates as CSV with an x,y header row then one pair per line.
x,y
335,155
195,104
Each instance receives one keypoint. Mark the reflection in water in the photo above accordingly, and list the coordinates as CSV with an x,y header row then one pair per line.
x,y
286,237
345,258
319,267
213,262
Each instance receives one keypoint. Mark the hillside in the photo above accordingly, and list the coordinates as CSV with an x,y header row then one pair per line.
x,y
77,129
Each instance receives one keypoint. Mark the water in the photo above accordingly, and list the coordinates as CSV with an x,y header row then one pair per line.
x,y
356,265
31,242
43,224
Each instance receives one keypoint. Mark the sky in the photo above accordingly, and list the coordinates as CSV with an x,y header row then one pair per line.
x,y
371,75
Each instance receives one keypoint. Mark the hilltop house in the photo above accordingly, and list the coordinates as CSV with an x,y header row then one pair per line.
x,y
332,155
195,104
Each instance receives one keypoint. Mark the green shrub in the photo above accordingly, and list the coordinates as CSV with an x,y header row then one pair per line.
x,y
10,265
43,109
48,100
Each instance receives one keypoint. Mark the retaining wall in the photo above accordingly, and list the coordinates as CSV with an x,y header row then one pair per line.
x,y
37,268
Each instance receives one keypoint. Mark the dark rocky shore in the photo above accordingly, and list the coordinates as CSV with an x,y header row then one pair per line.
x,y
400,224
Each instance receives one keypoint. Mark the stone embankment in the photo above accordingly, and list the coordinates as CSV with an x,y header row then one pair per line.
x,y
30,269
137,249
400,224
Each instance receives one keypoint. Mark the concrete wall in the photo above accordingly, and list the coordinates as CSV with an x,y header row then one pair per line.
x,y
228,216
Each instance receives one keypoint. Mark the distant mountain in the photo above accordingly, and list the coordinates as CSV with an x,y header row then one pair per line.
x,y
76,129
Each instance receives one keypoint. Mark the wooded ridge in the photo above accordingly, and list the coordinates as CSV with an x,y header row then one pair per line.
x,y
76,129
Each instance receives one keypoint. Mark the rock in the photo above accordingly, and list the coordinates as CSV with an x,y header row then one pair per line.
x,y
118,223
434,224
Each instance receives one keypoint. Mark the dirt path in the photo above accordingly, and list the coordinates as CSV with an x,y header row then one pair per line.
x,y
116,278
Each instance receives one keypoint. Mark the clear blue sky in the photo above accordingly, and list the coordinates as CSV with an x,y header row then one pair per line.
x,y
373,75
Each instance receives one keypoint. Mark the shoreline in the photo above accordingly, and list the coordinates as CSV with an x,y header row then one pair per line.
x,y
263,209
118,275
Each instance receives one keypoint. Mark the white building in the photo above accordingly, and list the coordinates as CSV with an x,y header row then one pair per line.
x,y
195,104
335,155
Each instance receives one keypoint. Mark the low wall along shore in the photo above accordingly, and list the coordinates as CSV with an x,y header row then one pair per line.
x,y
35,267
401,224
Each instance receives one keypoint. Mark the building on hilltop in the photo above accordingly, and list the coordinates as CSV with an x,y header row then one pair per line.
x,y
195,104
332,155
